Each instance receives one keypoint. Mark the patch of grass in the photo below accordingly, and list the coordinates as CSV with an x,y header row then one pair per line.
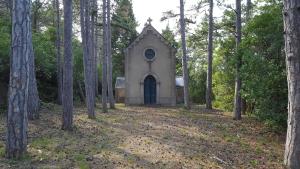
x,y
254,163
2,150
167,136
258,150
41,142
231,138
81,161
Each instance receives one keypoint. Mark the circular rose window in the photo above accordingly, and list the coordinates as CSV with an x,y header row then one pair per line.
x,y
149,54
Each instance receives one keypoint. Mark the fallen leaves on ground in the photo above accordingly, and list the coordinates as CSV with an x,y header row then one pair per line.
x,y
149,138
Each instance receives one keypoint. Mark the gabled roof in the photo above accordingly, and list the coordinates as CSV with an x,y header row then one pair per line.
x,y
148,27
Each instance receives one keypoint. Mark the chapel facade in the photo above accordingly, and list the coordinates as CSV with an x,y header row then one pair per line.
x,y
150,70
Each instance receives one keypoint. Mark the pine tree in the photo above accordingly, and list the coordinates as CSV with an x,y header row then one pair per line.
x,y
238,81
104,57
123,33
184,57
210,57
17,122
292,50
109,59
67,120
88,55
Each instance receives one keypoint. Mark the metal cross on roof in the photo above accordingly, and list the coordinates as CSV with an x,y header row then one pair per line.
x,y
149,21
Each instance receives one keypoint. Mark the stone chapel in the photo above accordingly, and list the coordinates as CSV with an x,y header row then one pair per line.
x,y
150,71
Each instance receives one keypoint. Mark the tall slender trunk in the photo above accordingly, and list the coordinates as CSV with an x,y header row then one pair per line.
x,y
17,122
95,34
104,59
58,54
210,57
184,57
33,96
238,81
67,121
292,50
87,56
109,60
80,91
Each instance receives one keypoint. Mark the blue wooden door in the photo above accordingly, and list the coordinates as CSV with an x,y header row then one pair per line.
x,y
150,90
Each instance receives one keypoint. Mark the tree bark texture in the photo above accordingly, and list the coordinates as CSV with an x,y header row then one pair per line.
x,y
210,57
16,136
80,91
292,48
67,121
109,60
238,82
95,41
104,59
33,96
58,54
88,57
184,57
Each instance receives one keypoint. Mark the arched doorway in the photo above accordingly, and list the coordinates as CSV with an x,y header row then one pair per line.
x,y
150,90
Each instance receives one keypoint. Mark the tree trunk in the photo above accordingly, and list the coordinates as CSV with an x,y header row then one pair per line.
x,y
33,96
210,57
95,35
238,82
68,68
248,10
292,49
16,136
88,56
80,91
104,59
58,54
109,60
184,57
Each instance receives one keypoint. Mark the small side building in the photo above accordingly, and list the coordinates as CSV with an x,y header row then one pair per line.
x,y
120,89
179,90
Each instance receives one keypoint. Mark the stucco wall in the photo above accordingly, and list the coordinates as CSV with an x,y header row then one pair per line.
x,y
162,68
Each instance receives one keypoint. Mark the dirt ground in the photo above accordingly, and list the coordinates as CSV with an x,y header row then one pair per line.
x,y
149,138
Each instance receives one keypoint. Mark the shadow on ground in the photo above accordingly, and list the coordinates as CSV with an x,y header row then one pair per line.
x,y
150,138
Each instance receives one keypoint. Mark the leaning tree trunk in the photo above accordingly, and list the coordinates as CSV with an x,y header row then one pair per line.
x,y
58,54
292,49
238,82
104,59
67,120
16,136
184,57
109,60
210,57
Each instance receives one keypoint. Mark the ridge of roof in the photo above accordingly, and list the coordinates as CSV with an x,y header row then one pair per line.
x,y
145,32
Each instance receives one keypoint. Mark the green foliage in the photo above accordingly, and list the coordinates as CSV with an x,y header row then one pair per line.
x,y
45,63
263,71
224,74
4,45
123,33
